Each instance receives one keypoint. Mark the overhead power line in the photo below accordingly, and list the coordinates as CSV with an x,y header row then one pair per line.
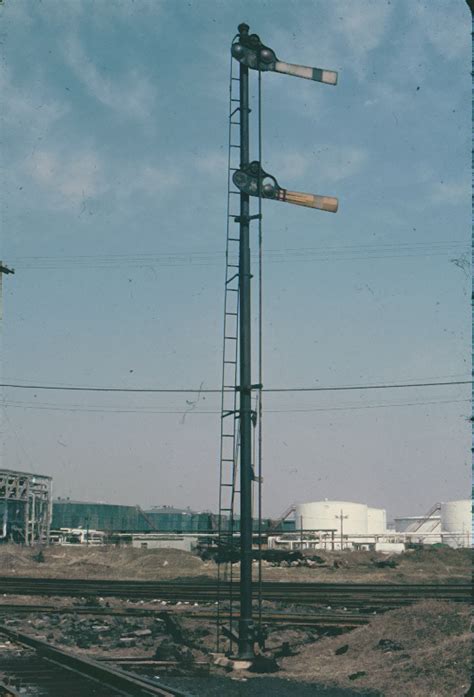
x,y
152,390
275,255
187,412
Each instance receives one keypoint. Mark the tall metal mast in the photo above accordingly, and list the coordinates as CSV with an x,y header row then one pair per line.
x,y
6,270
252,180
3,270
246,632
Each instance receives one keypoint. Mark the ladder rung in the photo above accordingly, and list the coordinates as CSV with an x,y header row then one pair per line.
x,y
227,435
234,146
231,338
226,459
234,239
232,362
235,79
232,313
234,290
235,100
225,484
232,278
235,123
233,266
235,193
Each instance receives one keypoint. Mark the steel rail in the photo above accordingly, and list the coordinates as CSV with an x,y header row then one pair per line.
x,y
299,592
110,678
312,619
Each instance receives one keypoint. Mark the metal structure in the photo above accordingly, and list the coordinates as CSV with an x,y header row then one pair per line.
x,y
25,507
114,518
238,417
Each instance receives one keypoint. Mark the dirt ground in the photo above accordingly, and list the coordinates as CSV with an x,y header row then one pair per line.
x,y
419,566
420,651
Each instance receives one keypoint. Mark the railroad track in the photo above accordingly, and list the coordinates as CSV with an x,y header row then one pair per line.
x,y
334,594
321,620
32,667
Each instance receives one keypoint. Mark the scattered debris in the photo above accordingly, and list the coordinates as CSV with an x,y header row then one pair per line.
x,y
390,645
356,676
341,650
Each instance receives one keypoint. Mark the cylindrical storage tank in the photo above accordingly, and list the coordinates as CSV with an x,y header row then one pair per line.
x,y
456,519
326,515
376,521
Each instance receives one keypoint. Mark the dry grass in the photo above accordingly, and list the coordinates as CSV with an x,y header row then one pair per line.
x,y
421,566
101,563
424,566
435,660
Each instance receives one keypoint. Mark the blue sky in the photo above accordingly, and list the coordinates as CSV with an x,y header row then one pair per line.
x,y
114,140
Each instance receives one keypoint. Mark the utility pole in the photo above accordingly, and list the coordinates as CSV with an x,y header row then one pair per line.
x,y
3,270
252,180
341,518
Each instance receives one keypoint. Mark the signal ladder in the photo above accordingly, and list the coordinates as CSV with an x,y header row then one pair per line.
x,y
229,436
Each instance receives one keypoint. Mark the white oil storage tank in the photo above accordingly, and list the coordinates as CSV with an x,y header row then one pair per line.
x,y
456,521
326,515
376,521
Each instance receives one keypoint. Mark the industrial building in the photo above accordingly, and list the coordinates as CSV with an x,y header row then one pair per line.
x,y
348,525
25,507
116,518
331,525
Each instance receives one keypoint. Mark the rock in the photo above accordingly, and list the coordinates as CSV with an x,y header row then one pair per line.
x,y
389,645
264,664
126,641
359,674
384,563
141,633
165,651
341,650
174,628
285,650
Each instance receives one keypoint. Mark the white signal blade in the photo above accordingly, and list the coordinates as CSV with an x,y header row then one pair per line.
x,y
323,203
329,77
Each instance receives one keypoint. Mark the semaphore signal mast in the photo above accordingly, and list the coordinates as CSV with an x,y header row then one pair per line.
x,y
251,181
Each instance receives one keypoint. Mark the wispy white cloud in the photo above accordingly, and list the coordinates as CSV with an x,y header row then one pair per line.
x,y
324,164
151,180
68,180
212,163
342,162
290,166
356,29
29,107
131,94
361,26
451,192
443,26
